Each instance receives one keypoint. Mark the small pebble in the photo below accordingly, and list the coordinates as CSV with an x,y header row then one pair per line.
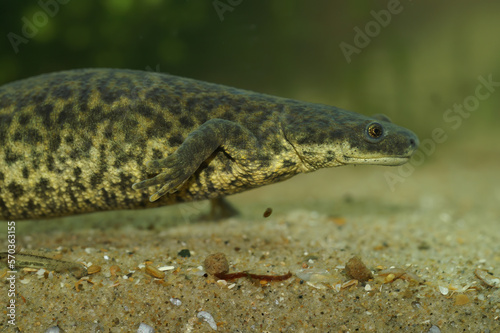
x,y
54,329
184,253
356,269
207,317
143,328
216,263
434,329
114,269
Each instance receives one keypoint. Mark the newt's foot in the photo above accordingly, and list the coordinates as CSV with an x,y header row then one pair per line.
x,y
173,176
220,209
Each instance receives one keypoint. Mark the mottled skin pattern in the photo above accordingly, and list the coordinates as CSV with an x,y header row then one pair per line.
x,y
101,139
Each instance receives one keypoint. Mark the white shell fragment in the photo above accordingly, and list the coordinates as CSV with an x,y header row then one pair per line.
x,y
143,328
175,301
443,290
53,329
166,268
207,317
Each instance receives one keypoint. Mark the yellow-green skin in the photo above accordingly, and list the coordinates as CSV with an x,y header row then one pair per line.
x,y
91,140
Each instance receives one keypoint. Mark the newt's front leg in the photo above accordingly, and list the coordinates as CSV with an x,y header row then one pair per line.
x,y
237,141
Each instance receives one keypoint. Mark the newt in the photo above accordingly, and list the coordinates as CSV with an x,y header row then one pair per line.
x,y
90,140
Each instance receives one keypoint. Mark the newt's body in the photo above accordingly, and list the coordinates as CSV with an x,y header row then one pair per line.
x,y
76,141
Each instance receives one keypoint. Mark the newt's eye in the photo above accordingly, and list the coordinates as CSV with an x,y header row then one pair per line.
x,y
374,132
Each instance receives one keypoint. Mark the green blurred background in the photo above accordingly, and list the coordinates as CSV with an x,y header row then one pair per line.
x,y
425,60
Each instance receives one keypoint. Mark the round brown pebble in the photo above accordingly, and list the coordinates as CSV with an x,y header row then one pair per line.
x,y
216,264
461,299
357,270
93,269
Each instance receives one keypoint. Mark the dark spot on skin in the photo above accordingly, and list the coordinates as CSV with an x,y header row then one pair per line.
x,y
83,98
121,158
186,122
5,120
160,128
50,163
54,142
139,159
209,169
39,98
118,164
337,135
11,157
16,190
32,136
69,139
125,182
95,116
72,185
77,172
74,154
26,173
22,102
62,92
18,136
43,188
276,147
44,111
67,115
108,131
86,144
24,119
32,206
164,99
88,203
96,178
3,208
304,140
72,196
108,96
157,154
288,164
35,162
129,123
6,101
210,187
128,203
176,140
105,196
144,110
265,163
228,115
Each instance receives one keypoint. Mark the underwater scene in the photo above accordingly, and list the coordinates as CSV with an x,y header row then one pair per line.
x,y
237,166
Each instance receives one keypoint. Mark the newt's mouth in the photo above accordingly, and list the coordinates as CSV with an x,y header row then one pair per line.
x,y
382,160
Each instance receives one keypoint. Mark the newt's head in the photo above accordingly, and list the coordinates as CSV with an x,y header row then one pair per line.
x,y
324,136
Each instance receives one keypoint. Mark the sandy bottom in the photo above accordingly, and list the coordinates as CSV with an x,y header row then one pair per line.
x,y
432,243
